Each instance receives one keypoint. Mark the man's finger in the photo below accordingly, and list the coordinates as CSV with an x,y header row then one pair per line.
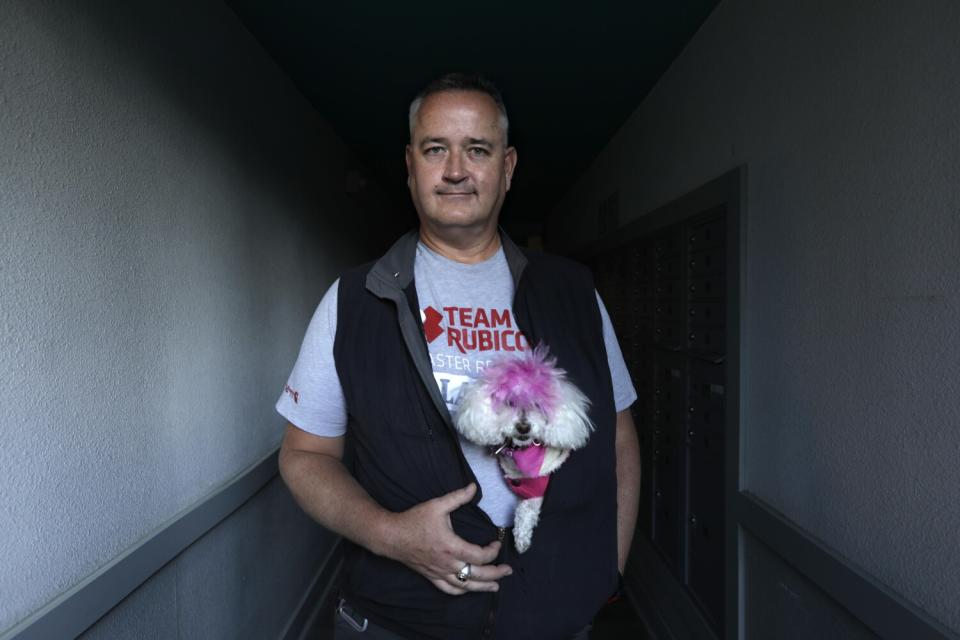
x,y
475,554
489,572
456,499
476,582
446,587
478,585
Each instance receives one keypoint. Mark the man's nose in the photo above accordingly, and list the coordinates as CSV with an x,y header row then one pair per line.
x,y
454,170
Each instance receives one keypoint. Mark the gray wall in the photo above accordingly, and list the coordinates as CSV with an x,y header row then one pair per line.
x,y
243,579
846,117
171,211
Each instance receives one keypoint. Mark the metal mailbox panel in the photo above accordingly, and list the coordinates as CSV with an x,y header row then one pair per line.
x,y
668,243
667,504
705,527
706,314
669,267
709,288
665,531
708,443
668,289
709,262
642,321
669,336
705,415
668,311
709,340
643,308
669,395
645,290
666,297
711,233
706,398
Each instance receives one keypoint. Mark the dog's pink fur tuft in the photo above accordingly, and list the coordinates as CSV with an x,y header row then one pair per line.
x,y
525,381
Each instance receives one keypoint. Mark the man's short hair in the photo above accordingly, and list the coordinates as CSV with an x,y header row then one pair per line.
x,y
461,82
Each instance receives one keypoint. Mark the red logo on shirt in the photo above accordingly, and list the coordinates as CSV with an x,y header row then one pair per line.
x,y
470,329
431,324
293,394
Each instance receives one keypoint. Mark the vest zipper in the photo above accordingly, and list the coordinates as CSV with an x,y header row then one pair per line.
x,y
412,331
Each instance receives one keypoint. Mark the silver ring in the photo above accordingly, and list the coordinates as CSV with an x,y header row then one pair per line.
x,y
464,574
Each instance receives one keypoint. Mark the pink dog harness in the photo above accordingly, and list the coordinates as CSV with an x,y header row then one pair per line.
x,y
529,460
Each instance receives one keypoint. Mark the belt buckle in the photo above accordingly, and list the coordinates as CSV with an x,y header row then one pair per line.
x,y
352,618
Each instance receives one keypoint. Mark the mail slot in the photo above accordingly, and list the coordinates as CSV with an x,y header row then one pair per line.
x,y
711,288
669,336
668,267
704,263
709,340
668,243
706,314
667,312
664,289
711,233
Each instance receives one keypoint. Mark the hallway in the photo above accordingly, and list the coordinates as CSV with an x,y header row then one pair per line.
x,y
765,193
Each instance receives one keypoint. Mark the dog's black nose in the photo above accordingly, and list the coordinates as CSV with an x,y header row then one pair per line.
x,y
523,427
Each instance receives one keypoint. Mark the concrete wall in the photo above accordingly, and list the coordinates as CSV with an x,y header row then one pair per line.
x,y
171,211
845,115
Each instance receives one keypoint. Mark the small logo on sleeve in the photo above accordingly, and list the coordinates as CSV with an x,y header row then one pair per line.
x,y
287,389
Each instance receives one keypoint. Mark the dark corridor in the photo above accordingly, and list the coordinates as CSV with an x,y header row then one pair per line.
x,y
765,192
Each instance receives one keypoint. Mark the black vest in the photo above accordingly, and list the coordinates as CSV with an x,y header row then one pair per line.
x,y
402,448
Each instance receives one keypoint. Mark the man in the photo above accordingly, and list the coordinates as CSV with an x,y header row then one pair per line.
x,y
379,370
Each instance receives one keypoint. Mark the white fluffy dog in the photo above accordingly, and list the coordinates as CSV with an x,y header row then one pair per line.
x,y
525,408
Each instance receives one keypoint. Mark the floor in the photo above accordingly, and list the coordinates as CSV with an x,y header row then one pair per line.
x,y
616,621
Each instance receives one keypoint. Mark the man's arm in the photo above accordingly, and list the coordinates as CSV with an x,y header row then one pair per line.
x,y
628,484
421,538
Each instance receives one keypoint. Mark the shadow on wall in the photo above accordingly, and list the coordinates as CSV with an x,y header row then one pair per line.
x,y
256,137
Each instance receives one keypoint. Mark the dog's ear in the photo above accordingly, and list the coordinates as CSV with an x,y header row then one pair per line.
x,y
570,426
475,417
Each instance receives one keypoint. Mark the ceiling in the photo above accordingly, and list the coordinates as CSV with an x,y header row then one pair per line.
x,y
570,74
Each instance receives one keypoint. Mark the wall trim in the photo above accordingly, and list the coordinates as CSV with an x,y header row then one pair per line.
x,y
315,597
663,605
75,610
883,611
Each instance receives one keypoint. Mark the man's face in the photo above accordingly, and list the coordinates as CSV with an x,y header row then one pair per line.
x,y
458,164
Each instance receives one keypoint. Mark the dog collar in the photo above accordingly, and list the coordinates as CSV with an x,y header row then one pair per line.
x,y
507,449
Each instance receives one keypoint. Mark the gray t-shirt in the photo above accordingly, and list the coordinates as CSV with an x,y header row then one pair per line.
x,y
467,321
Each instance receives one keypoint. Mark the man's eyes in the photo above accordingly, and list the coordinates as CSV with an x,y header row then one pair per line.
x,y
474,151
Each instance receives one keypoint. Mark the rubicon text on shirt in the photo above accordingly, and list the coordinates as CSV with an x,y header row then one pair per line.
x,y
486,340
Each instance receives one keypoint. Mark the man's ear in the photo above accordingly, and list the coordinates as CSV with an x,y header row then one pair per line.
x,y
408,158
509,164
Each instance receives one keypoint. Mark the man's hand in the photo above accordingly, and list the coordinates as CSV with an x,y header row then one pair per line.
x,y
423,539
